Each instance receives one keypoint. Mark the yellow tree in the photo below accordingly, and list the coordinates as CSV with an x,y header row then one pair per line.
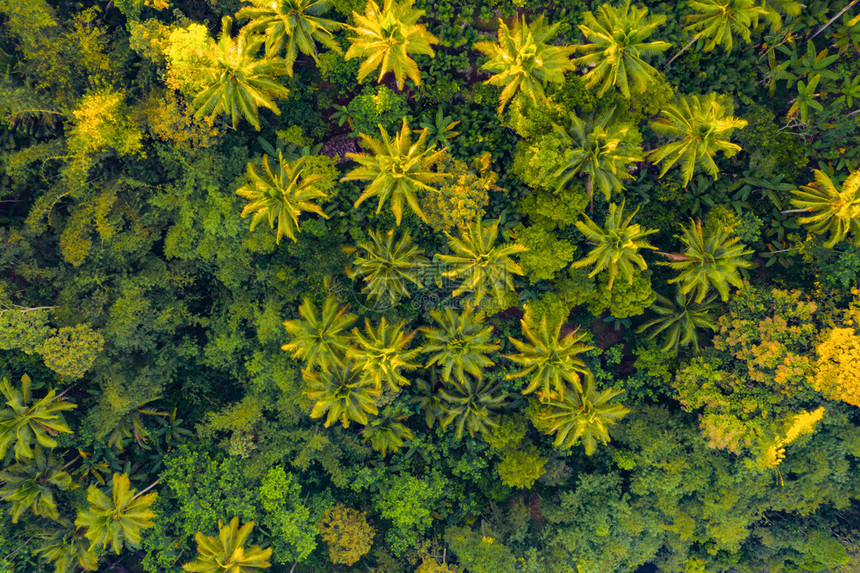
x,y
347,534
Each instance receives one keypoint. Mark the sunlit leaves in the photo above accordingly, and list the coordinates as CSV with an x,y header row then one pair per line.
x,y
227,553
831,210
381,352
680,321
118,517
458,344
25,423
320,337
386,265
341,394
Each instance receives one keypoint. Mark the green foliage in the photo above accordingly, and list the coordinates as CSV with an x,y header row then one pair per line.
x,y
831,211
459,344
387,266
286,517
71,351
521,467
716,20
478,553
460,199
341,393
679,321
377,107
469,404
320,337
381,353
524,61
626,299
386,432
546,254
67,548
386,37
408,503
28,485
102,121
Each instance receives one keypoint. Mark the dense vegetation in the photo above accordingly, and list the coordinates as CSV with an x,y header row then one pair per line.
x,y
485,286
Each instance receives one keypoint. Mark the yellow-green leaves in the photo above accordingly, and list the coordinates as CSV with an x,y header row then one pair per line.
x,y
385,39
24,423
525,60
281,194
227,553
117,518
831,210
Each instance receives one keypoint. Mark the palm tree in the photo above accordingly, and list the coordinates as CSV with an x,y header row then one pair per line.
x,y
597,149
278,194
291,26
550,362
67,548
481,264
469,404
239,83
428,398
118,517
618,37
385,39
386,432
581,416
458,344
320,337
341,395
226,552
832,211
29,485
386,265
616,245
397,169
524,60
705,129
381,353
679,321
716,20
24,422
706,262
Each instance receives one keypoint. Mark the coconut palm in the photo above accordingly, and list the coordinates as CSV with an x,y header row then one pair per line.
x,y
616,245
24,422
387,265
30,485
832,210
226,552
482,265
117,516
704,129
66,547
459,344
550,362
281,193
708,261
386,432
597,150
386,38
239,82
320,337
716,21
381,353
290,27
397,169
428,398
680,320
618,44
583,417
341,395
469,405
524,59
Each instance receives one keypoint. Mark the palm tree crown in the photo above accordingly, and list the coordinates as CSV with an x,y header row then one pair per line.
x,y
616,245
832,210
704,129
291,26
386,432
618,45
469,405
524,60
549,362
29,485
480,263
227,553
717,20
281,193
459,343
386,265
385,39
581,416
707,261
116,518
320,338
24,422
341,394
381,353
597,149
397,169
679,321
239,82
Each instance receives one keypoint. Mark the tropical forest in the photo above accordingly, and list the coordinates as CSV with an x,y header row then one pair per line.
x,y
429,286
